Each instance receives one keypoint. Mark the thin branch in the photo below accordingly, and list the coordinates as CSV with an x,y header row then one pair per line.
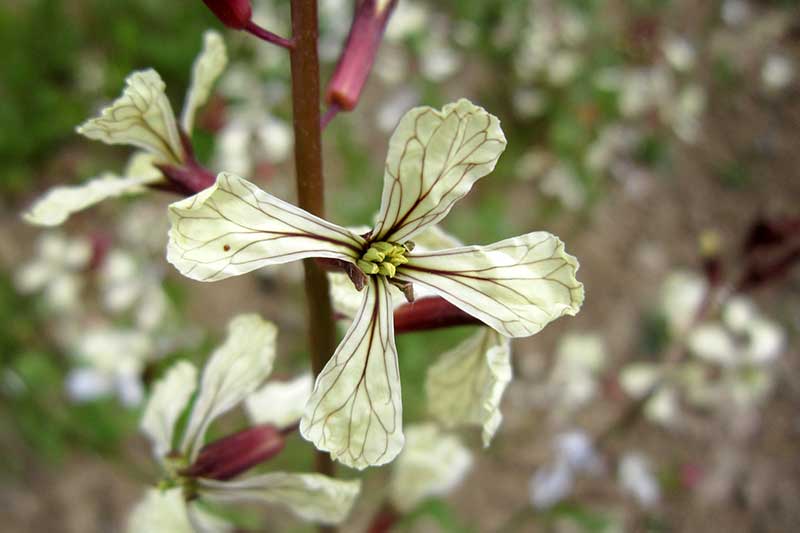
x,y
268,36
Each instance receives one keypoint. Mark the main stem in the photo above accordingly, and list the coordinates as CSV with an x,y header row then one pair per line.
x,y
310,183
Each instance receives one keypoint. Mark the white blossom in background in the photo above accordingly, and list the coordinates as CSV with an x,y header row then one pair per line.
x,y
392,108
682,294
142,117
432,463
233,372
110,361
777,73
515,286
745,345
573,382
528,102
679,52
614,142
410,18
684,112
561,182
736,12
635,475
574,455
251,133
57,271
438,59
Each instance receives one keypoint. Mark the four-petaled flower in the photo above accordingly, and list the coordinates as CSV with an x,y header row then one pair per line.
x,y
515,286
193,473
141,117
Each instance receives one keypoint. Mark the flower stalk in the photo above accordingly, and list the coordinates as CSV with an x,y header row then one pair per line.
x,y
310,184
355,63
238,15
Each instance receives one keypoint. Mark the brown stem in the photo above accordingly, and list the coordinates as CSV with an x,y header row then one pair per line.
x,y
310,184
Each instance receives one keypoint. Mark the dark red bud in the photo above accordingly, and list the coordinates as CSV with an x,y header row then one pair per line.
x,y
355,63
386,517
235,14
430,313
771,232
237,453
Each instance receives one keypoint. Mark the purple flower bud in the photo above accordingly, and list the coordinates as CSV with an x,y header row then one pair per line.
x,y
228,457
430,313
235,14
355,63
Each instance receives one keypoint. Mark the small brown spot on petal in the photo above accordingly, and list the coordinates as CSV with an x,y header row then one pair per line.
x,y
227,248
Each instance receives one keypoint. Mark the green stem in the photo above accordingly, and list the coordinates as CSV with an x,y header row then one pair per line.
x,y
310,183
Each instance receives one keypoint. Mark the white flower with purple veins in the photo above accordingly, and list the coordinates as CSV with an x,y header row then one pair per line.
x,y
142,117
516,286
233,372
466,384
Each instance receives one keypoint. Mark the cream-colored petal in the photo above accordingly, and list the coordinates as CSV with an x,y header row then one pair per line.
x,y
355,411
466,384
637,379
167,512
313,497
714,343
435,238
206,69
141,117
516,286
233,372
233,227
434,159
170,396
280,403
431,464
56,206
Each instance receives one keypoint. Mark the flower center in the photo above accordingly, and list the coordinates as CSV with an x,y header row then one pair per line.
x,y
384,257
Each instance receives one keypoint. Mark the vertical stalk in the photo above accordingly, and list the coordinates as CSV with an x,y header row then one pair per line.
x,y
310,184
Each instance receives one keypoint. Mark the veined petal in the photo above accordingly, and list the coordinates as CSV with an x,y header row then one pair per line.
x,y
171,394
234,371
432,464
206,69
168,512
516,286
466,384
280,403
55,207
355,411
141,117
434,159
233,227
313,497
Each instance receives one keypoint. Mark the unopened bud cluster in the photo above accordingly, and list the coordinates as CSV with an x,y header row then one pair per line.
x,y
384,257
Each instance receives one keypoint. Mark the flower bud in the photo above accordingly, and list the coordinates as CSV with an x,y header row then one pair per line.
x,y
235,14
430,313
237,453
355,63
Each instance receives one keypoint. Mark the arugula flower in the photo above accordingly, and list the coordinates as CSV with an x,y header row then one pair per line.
x,y
233,372
141,117
515,286
466,384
